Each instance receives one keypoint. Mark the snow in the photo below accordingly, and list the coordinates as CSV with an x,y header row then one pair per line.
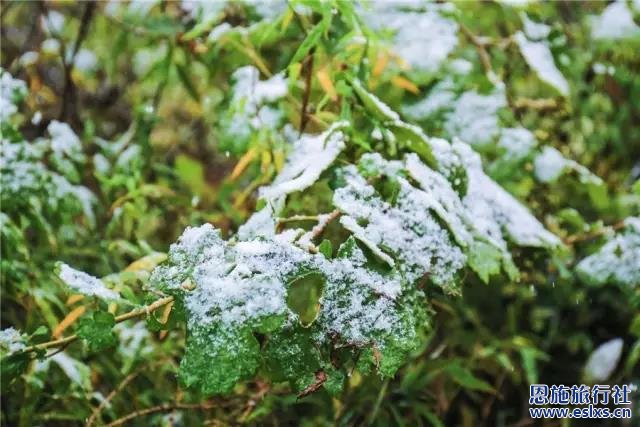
x,y
132,339
424,232
64,141
603,361
309,157
550,164
203,10
54,21
10,90
407,230
248,85
539,57
423,38
617,260
250,99
306,240
218,31
260,224
517,142
143,59
62,189
85,60
534,30
474,117
28,58
616,22
85,284
51,46
241,283
495,210
11,340
75,370
440,98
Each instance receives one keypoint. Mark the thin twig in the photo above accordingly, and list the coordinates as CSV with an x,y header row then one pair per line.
x,y
96,412
130,315
540,104
69,93
307,71
296,218
319,228
575,238
166,407
481,47
253,401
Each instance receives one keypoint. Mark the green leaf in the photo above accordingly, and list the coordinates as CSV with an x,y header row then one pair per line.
x,y
97,330
217,357
465,377
292,356
185,77
529,364
325,248
312,39
484,259
11,367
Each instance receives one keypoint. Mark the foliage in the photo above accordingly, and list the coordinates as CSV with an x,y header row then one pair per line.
x,y
315,212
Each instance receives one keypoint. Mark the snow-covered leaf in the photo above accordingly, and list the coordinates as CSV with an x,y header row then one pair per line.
x,y
603,361
540,59
85,284
617,260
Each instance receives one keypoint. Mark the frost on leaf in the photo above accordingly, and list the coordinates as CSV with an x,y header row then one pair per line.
x,y
474,117
497,213
550,164
11,340
310,156
615,23
423,37
617,261
232,289
38,177
602,362
405,229
252,106
85,284
539,57
11,92
412,221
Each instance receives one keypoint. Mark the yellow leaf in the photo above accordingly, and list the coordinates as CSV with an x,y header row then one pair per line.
x,y
266,161
404,65
278,159
74,299
405,84
327,84
286,20
68,321
380,65
165,313
146,263
242,164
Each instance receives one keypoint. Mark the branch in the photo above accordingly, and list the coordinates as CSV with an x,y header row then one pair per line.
x,y
146,310
166,407
481,47
541,104
575,238
321,378
103,404
307,71
69,93
96,412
